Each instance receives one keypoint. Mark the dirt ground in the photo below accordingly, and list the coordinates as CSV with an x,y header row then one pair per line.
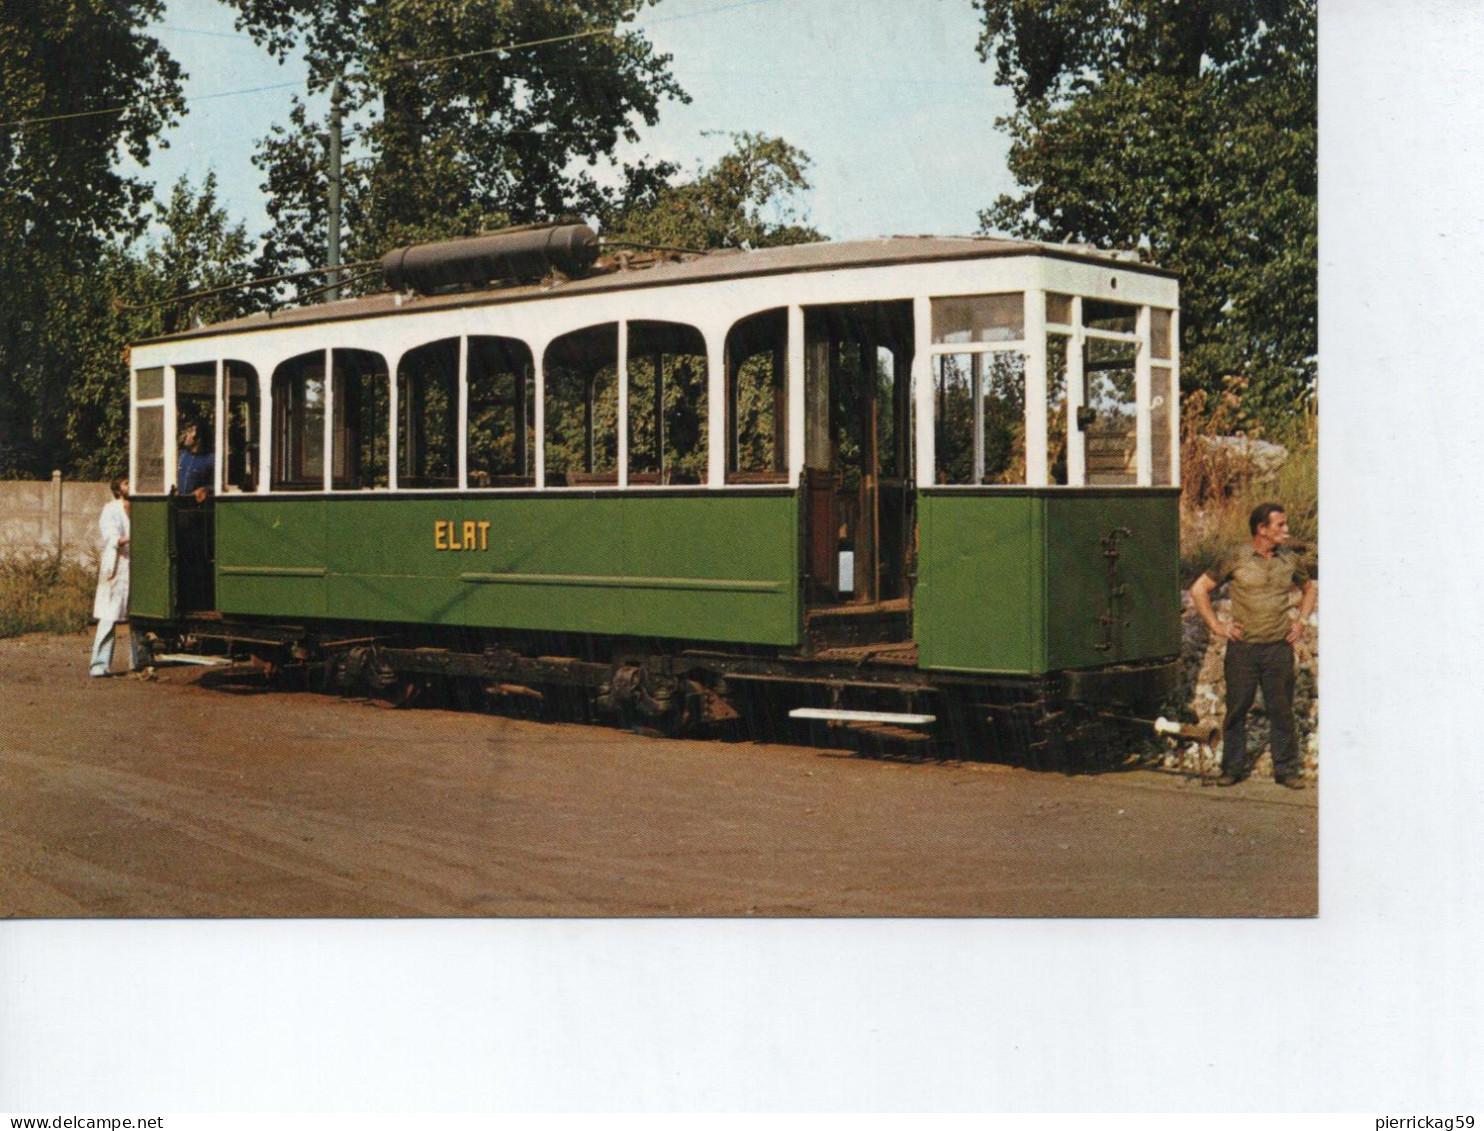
x,y
132,798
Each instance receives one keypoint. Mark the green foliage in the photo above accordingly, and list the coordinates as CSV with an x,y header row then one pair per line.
x,y
1185,129
448,134
88,311
80,82
98,311
747,199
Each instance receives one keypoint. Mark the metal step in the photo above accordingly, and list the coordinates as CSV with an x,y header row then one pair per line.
x,y
835,715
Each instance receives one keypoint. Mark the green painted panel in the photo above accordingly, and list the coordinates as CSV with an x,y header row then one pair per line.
x,y
1147,570
744,551
980,588
1017,581
151,578
270,556
720,567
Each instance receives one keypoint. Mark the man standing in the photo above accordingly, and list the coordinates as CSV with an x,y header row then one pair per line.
x,y
1259,641
111,600
196,469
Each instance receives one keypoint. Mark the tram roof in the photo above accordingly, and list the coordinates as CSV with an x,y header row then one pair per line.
x,y
714,267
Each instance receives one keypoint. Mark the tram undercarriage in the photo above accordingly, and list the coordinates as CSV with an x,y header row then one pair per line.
x,y
870,698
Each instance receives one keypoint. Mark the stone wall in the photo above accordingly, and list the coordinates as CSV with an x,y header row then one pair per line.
x,y
50,517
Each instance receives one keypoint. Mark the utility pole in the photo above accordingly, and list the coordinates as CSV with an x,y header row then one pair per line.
x,y
332,293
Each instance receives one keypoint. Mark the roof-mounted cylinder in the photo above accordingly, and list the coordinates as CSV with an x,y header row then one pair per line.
x,y
529,253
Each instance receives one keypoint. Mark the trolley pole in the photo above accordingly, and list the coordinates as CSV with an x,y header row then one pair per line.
x,y
332,292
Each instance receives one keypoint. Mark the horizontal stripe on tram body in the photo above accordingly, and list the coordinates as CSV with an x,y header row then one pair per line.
x,y
602,581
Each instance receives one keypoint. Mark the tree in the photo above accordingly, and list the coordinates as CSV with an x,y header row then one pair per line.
x,y
200,250
80,82
746,199
1184,129
116,302
452,133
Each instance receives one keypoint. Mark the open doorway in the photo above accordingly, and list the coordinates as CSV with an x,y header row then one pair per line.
x,y
858,467
193,504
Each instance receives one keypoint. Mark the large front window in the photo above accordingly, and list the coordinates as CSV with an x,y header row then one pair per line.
x,y
1093,400
979,389
980,402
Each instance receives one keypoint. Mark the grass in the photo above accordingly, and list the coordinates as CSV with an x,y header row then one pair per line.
x,y
44,594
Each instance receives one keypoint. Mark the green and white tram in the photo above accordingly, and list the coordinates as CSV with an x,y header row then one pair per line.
x,y
916,478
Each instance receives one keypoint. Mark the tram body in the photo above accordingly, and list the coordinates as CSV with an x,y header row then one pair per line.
x,y
907,466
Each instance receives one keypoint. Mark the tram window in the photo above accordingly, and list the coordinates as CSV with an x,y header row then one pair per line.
x,y
195,404
149,439
244,430
667,403
359,457
757,399
428,416
1056,409
1112,434
1113,316
1161,405
582,407
195,397
1059,309
1159,334
979,318
149,432
980,403
502,413
149,384
299,423
893,444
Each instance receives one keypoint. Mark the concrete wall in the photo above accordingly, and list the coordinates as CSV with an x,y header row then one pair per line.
x,y
43,518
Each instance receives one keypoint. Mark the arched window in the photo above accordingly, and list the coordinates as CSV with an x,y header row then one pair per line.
x,y
195,414
502,413
359,428
581,371
244,427
362,406
757,399
428,416
299,423
667,403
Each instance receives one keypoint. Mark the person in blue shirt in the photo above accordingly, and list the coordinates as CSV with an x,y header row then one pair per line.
x,y
197,468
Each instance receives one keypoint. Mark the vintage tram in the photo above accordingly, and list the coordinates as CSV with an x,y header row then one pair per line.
x,y
915,485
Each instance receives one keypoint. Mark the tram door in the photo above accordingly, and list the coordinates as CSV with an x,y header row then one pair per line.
x,y
857,455
193,541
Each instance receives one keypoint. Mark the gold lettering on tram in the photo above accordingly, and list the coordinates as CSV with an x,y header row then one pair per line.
x,y
466,535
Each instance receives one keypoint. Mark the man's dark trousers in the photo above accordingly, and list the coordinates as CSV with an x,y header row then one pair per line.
x,y
1248,667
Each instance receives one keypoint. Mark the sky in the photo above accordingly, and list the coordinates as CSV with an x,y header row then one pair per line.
x,y
887,97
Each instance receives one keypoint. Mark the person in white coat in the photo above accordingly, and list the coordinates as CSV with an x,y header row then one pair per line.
x,y
111,602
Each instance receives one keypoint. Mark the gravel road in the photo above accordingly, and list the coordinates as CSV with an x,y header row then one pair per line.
x,y
131,798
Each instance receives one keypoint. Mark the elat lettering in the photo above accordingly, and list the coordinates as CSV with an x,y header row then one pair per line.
x,y
449,534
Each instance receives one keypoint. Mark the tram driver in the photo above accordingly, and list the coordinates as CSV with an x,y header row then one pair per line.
x,y
197,467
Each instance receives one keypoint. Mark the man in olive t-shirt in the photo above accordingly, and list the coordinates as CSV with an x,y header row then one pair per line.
x,y
1259,641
